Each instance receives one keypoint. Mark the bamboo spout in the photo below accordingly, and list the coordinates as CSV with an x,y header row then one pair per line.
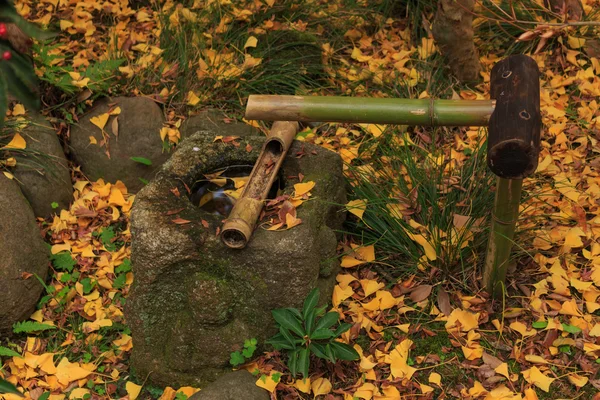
x,y
240,224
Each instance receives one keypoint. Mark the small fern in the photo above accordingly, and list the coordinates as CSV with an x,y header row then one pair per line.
x,y
31,326
6,352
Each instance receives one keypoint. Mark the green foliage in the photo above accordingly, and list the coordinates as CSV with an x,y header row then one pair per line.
x,y
17,75
124,267
310,332
540,324
119,282
101,74
6,352
414,190
30,327
141,160
571,328
88,285
7,387
239,358
63,261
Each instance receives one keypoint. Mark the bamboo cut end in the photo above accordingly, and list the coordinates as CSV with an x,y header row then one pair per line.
x,y
235,237
239,226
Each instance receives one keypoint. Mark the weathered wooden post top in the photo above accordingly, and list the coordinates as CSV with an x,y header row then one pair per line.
x,y
514,128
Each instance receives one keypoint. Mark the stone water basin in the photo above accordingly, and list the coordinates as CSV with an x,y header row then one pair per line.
x,y
194,300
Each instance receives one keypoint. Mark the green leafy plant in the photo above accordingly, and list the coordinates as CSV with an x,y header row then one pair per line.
x,y
30,327
63,261
8,388
240,357
310,332
17,76
418,192
141,160
4,351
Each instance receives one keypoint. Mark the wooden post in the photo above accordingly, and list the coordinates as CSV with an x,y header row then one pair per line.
x,y
513,150
514,128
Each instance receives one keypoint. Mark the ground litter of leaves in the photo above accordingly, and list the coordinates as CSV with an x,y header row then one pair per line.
x,y
417,337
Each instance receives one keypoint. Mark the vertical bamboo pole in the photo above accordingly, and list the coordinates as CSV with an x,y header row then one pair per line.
x,y
504,221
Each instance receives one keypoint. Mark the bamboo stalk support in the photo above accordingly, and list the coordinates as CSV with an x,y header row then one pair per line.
x,y
504,220
425,112
240,224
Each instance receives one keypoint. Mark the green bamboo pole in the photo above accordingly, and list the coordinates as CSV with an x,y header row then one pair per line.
x,y
424,112
504,220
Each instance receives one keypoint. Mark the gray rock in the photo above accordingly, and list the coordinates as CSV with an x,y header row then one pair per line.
x,y
233,386
23,251
42,169
194,300
139,125
214,121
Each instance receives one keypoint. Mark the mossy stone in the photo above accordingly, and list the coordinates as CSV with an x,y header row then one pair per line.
x,y
194,300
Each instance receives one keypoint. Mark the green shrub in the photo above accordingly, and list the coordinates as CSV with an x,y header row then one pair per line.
x,y
310,332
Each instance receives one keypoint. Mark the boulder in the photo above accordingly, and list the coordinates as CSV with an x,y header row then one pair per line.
x,y
215,121
23,254
233,386
42,169
194,300
137,135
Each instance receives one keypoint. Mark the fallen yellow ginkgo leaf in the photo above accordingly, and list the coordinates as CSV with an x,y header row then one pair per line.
x,y
357,207
17,143
321,386
534,376
100,120
133,390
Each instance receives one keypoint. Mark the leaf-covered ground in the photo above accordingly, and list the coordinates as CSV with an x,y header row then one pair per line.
x,y
421,334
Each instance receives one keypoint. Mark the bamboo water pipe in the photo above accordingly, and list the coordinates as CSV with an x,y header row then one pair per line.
x,y
240,224
425,112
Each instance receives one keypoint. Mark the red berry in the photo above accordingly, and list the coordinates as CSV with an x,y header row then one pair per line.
x,y
6,55
2,29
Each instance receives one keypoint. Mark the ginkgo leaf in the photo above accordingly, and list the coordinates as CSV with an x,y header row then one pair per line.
x,y
430,252
303,385
67,372
17,143
269,382
292,221
502,369
427,48
133,390
192,99
320,386
303,188
522,329
465,319
357,207
435,378
578,380
251,42
100,120
537,378
18,109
